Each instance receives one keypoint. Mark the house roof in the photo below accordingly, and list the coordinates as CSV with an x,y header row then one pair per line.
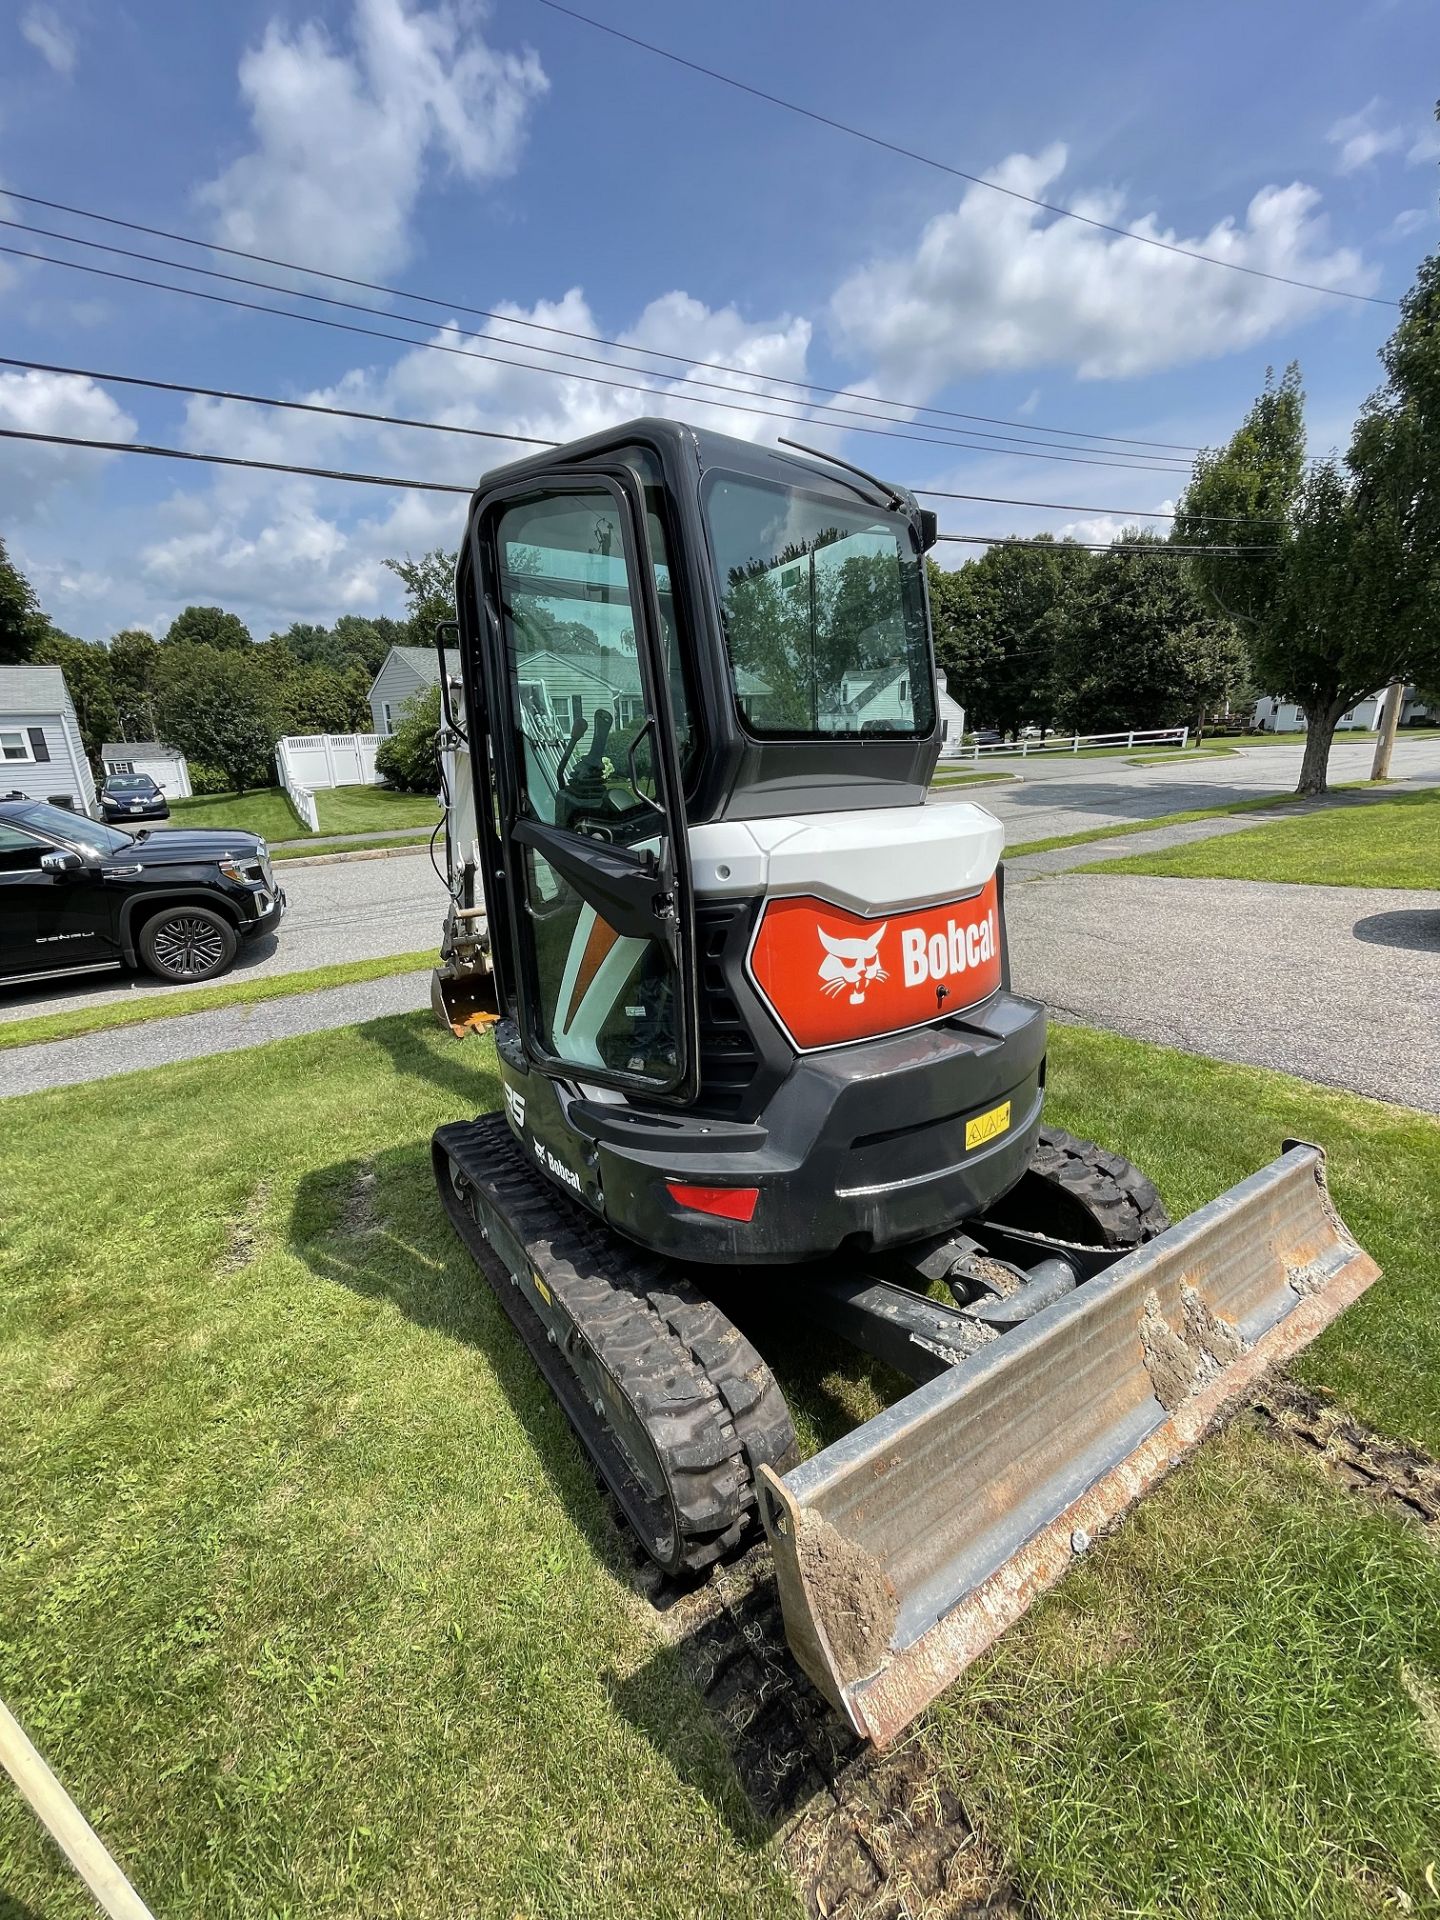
x,y
34,690
422,660
148,749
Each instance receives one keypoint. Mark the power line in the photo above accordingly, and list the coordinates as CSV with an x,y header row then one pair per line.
x,y
973,442
533,440
269,400
1095,546
1059,506
567,333
558,373
441,486
975,179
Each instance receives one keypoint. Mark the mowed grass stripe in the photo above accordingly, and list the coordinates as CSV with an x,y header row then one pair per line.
x,y
310,1597
153,1004
1386,843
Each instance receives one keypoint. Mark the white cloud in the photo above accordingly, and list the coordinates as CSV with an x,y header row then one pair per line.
x,y
1426,147
283,550
1028,405
343,137
52,403
1361,141
48,34
1411,220
997,284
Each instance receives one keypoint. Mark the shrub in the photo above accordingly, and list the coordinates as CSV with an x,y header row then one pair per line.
x,y
409,758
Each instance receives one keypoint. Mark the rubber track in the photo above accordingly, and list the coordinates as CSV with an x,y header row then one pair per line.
x,y
1123,1203
708,1404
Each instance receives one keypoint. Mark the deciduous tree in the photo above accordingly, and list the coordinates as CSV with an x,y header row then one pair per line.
x,y
21,621
209,627
219,708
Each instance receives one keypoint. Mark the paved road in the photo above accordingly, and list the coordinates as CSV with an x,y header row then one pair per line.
x,y
354,910
1059,796
1309,980
157,1043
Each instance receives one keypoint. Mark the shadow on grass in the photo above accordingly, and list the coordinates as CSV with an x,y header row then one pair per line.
x,y
1416,929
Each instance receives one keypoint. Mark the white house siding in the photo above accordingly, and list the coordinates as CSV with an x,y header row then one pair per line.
x,y
404,672
36,700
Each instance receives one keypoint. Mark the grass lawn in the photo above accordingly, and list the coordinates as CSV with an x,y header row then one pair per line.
x,y
1126,827
341,810
153,1004
1189,753
310,1598
412,842
267,812
373,810
1390,843
968,779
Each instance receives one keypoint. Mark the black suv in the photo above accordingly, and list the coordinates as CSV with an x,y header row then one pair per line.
x,y
77,894
132,796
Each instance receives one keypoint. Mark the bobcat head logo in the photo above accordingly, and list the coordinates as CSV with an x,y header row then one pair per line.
x,y
851,963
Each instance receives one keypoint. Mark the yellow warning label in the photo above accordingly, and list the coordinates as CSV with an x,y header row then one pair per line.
x,y
541,1288
985,1126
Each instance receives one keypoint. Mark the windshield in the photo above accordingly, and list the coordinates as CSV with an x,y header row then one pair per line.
x,y
129,783
71,828
824,612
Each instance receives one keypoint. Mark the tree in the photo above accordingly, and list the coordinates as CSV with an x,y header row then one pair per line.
x,y
1138,646
219,708
21,621
133,656
409,758
1327,605
209,627
87,675
429,584
997,622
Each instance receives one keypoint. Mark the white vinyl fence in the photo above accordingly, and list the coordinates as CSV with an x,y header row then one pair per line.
x,y
331,759
1177,737
302,798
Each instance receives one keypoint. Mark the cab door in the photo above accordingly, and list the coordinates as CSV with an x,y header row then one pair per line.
x,y
581,698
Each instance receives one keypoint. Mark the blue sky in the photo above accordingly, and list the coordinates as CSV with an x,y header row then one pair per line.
x,y
509,158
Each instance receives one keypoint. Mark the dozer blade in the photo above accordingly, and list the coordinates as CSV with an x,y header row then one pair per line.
x,y
464,1002
907,1548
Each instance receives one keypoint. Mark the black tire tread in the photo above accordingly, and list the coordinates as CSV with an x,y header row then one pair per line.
x,y
1120,1199
709,1406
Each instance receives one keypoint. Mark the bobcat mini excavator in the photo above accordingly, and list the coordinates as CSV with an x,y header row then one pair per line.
x,y
750,995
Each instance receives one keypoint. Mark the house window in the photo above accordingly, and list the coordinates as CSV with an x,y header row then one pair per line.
x,y
15,744
904,691
389,726
119,766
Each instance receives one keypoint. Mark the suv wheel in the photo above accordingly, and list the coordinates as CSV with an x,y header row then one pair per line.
x,y
188,943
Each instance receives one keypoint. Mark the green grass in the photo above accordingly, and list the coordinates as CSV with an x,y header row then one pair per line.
x,y
1190,753
340,809
1388,843
311,850
968,779
310,1598
373,810
267,812
1127,827
152,1004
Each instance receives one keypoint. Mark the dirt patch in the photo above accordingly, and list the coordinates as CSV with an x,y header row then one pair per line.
x,y
1207,1332
848,1587
1404,1479
357,1211
1425,1698
242,1237
1168,1361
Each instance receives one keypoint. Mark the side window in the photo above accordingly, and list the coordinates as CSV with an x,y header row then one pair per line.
x,y
19,852
576,690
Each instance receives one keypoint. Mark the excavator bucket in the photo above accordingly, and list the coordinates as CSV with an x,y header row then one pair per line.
x,y
907,1548
463,1001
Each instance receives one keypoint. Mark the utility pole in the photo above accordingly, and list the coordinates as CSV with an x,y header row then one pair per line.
x,y
1389,721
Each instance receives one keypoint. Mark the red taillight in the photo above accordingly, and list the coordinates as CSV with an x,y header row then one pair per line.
x,y
726,1203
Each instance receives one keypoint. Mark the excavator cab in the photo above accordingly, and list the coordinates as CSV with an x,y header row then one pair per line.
x,y
753,1014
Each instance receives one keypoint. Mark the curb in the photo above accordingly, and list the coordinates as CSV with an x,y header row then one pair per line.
x,y
361,853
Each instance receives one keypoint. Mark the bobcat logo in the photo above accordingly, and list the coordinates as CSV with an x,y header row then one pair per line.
x,y
851,963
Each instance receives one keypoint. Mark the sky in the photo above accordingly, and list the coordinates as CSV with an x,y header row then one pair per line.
x,y
511,159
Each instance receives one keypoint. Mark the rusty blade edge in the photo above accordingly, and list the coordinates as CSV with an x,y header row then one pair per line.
x,y
885,1703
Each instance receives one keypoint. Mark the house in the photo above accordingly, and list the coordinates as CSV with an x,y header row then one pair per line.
x,y
404,672
1273,715
876,698
41,753
952,719
166,766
